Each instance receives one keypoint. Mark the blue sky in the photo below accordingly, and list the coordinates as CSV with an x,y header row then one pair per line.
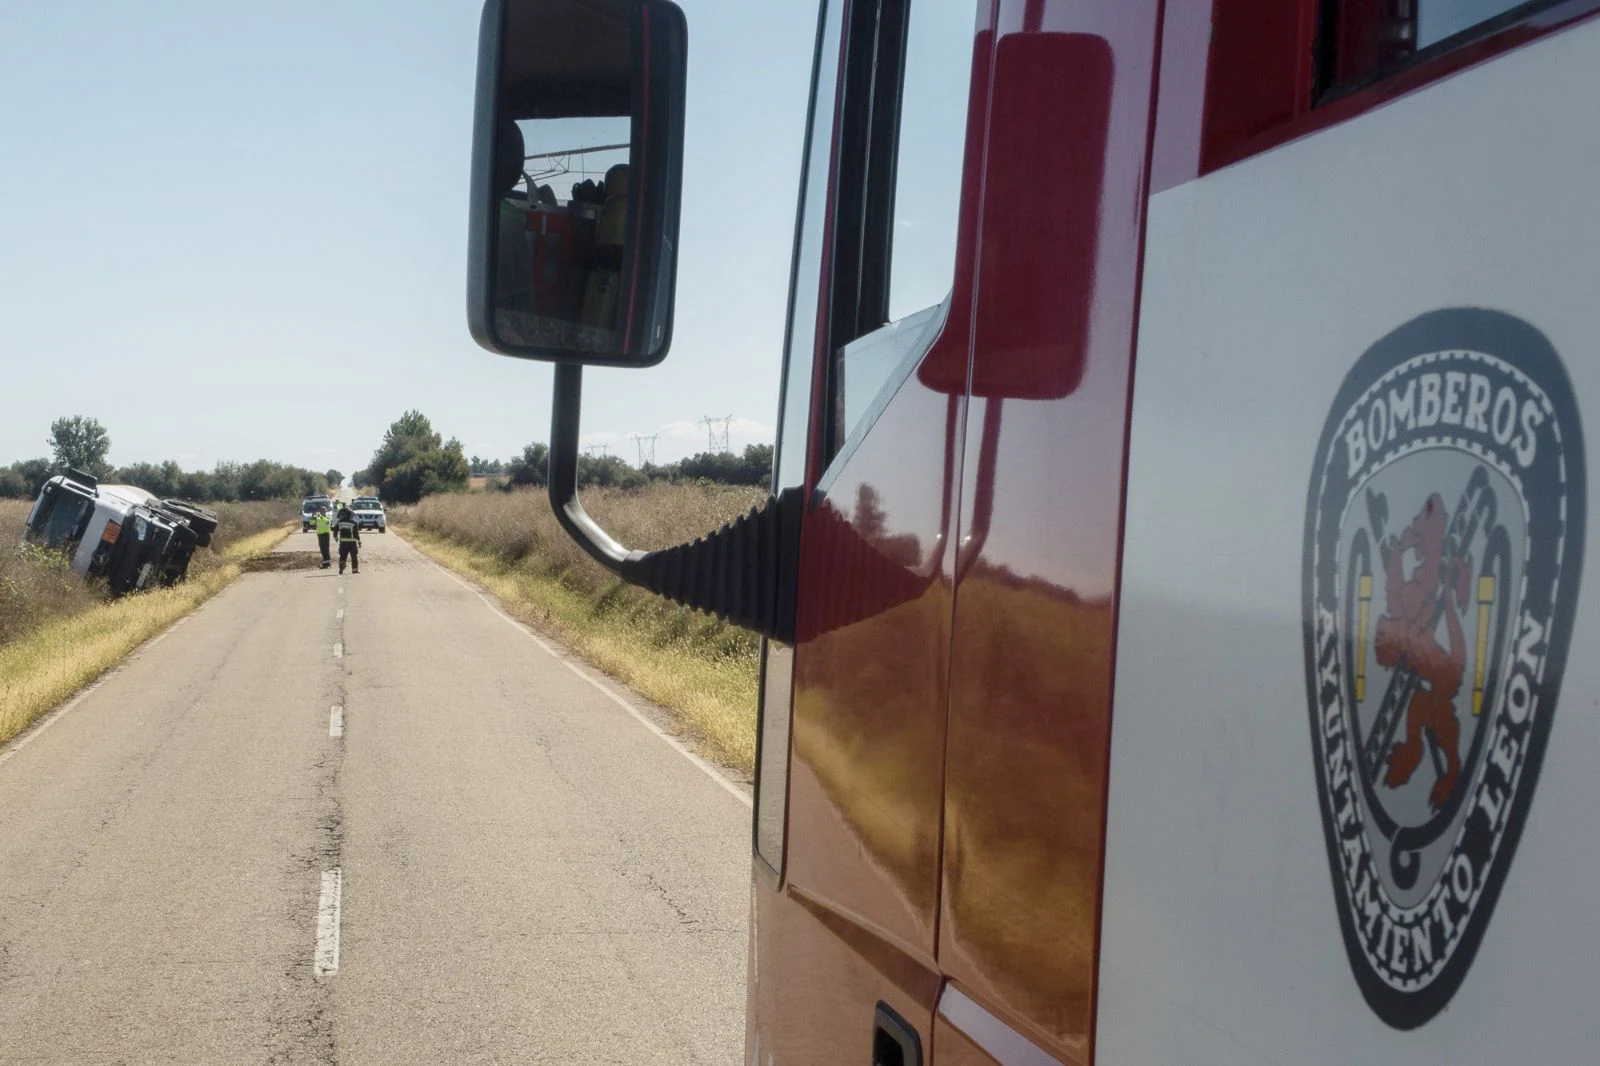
x,y
238,231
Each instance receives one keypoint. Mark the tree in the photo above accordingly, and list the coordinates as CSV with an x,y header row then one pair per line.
x,y
151,478
333,478
26,478
530,468
758,465
607,470
80,443
427,473
12,485
413,461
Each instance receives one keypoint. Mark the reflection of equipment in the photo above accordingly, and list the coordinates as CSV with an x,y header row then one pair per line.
x,y
1485,601
600,298
1364,599
553,235
573,249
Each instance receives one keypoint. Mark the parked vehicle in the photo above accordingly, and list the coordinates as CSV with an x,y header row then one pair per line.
x,y
310,507
1179,515
121,533
369,514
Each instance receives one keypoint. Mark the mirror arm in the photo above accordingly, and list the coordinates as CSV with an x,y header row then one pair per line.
x,y
744,573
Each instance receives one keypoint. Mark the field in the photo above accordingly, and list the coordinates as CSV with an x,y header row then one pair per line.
x,y
59,632
703,671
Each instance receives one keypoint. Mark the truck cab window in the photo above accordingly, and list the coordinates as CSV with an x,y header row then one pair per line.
x,y
57,520
903,134
927,175
1363,39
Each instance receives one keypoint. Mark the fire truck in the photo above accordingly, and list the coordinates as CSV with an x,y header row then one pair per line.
x,y
1178,520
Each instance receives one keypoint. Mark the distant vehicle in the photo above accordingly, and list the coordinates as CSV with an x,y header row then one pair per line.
x,y
368,513
309,508
131,538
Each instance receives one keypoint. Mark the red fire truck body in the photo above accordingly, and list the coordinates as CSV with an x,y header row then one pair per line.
x,y
1080,561
1178,519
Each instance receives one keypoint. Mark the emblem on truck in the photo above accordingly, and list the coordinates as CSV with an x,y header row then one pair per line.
x,y
1444,547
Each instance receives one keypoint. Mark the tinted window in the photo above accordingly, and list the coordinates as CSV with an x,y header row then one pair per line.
x,y
60,519
1367,37
927,179
794,424
903,148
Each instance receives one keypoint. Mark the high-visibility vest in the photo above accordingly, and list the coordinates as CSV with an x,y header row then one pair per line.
x,y
348,531
322,525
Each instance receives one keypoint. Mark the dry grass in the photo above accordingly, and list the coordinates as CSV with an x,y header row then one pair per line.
x,y
58,632
34,586
703,671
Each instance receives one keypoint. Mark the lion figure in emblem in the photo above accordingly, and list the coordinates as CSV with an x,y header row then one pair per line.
x,y
1407,637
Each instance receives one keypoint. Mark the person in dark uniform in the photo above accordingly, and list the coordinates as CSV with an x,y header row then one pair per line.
x,y
349,534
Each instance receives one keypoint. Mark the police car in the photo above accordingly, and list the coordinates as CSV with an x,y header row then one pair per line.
x,y
368,513
309,508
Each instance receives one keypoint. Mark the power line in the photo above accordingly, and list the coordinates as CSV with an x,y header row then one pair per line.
x,y
639,442
718,438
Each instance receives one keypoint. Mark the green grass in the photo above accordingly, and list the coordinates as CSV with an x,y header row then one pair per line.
x,y
701,670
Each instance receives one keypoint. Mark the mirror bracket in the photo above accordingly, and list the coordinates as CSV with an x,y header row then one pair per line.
x,y
744,572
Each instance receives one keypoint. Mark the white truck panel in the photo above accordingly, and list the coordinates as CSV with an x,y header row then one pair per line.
x,y
1264,283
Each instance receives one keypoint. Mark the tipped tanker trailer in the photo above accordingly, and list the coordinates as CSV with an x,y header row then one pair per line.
x,y
131,538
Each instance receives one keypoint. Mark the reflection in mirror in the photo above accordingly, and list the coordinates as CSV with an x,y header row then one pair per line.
x,y
580,241
563,213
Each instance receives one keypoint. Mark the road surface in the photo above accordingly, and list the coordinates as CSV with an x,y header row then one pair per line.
x,y
364,819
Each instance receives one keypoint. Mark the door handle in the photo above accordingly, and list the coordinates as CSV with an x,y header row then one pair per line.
x,y
894,1042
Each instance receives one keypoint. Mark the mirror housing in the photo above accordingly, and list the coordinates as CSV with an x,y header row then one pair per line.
x,y
598,87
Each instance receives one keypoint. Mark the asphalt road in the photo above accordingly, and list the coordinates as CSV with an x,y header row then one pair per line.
x,y
494,860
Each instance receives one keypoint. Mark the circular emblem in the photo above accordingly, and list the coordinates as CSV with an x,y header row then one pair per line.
x,y
1444,546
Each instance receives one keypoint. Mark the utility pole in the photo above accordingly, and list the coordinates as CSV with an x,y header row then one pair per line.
x,y
598,451
639,442
718,438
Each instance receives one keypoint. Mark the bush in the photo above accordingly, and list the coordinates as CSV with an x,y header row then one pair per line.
x,y
35,585
520,527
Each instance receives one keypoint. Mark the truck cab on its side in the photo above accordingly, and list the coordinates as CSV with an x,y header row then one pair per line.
x,y
121,533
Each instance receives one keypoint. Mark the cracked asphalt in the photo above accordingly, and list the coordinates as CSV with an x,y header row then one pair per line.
x,y
529,875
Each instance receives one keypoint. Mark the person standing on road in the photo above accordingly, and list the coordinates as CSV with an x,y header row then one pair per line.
x,y
349,540
324,528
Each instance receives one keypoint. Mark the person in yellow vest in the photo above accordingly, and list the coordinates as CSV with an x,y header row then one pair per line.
x,y
349,540
324,529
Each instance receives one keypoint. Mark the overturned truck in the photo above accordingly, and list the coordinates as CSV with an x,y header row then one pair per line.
x,y
131,538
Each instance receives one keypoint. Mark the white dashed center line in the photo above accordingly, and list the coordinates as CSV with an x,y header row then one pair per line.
x,y
338,649
326,960
339,614
336,721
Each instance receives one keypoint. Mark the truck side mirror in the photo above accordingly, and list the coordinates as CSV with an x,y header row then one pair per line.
x,y
577,159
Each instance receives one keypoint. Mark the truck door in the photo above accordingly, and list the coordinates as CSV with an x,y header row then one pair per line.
x,y
1041,491
843,951
1353,765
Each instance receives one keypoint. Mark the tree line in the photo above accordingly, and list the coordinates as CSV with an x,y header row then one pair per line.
x,y
414,461
753,467
79,443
